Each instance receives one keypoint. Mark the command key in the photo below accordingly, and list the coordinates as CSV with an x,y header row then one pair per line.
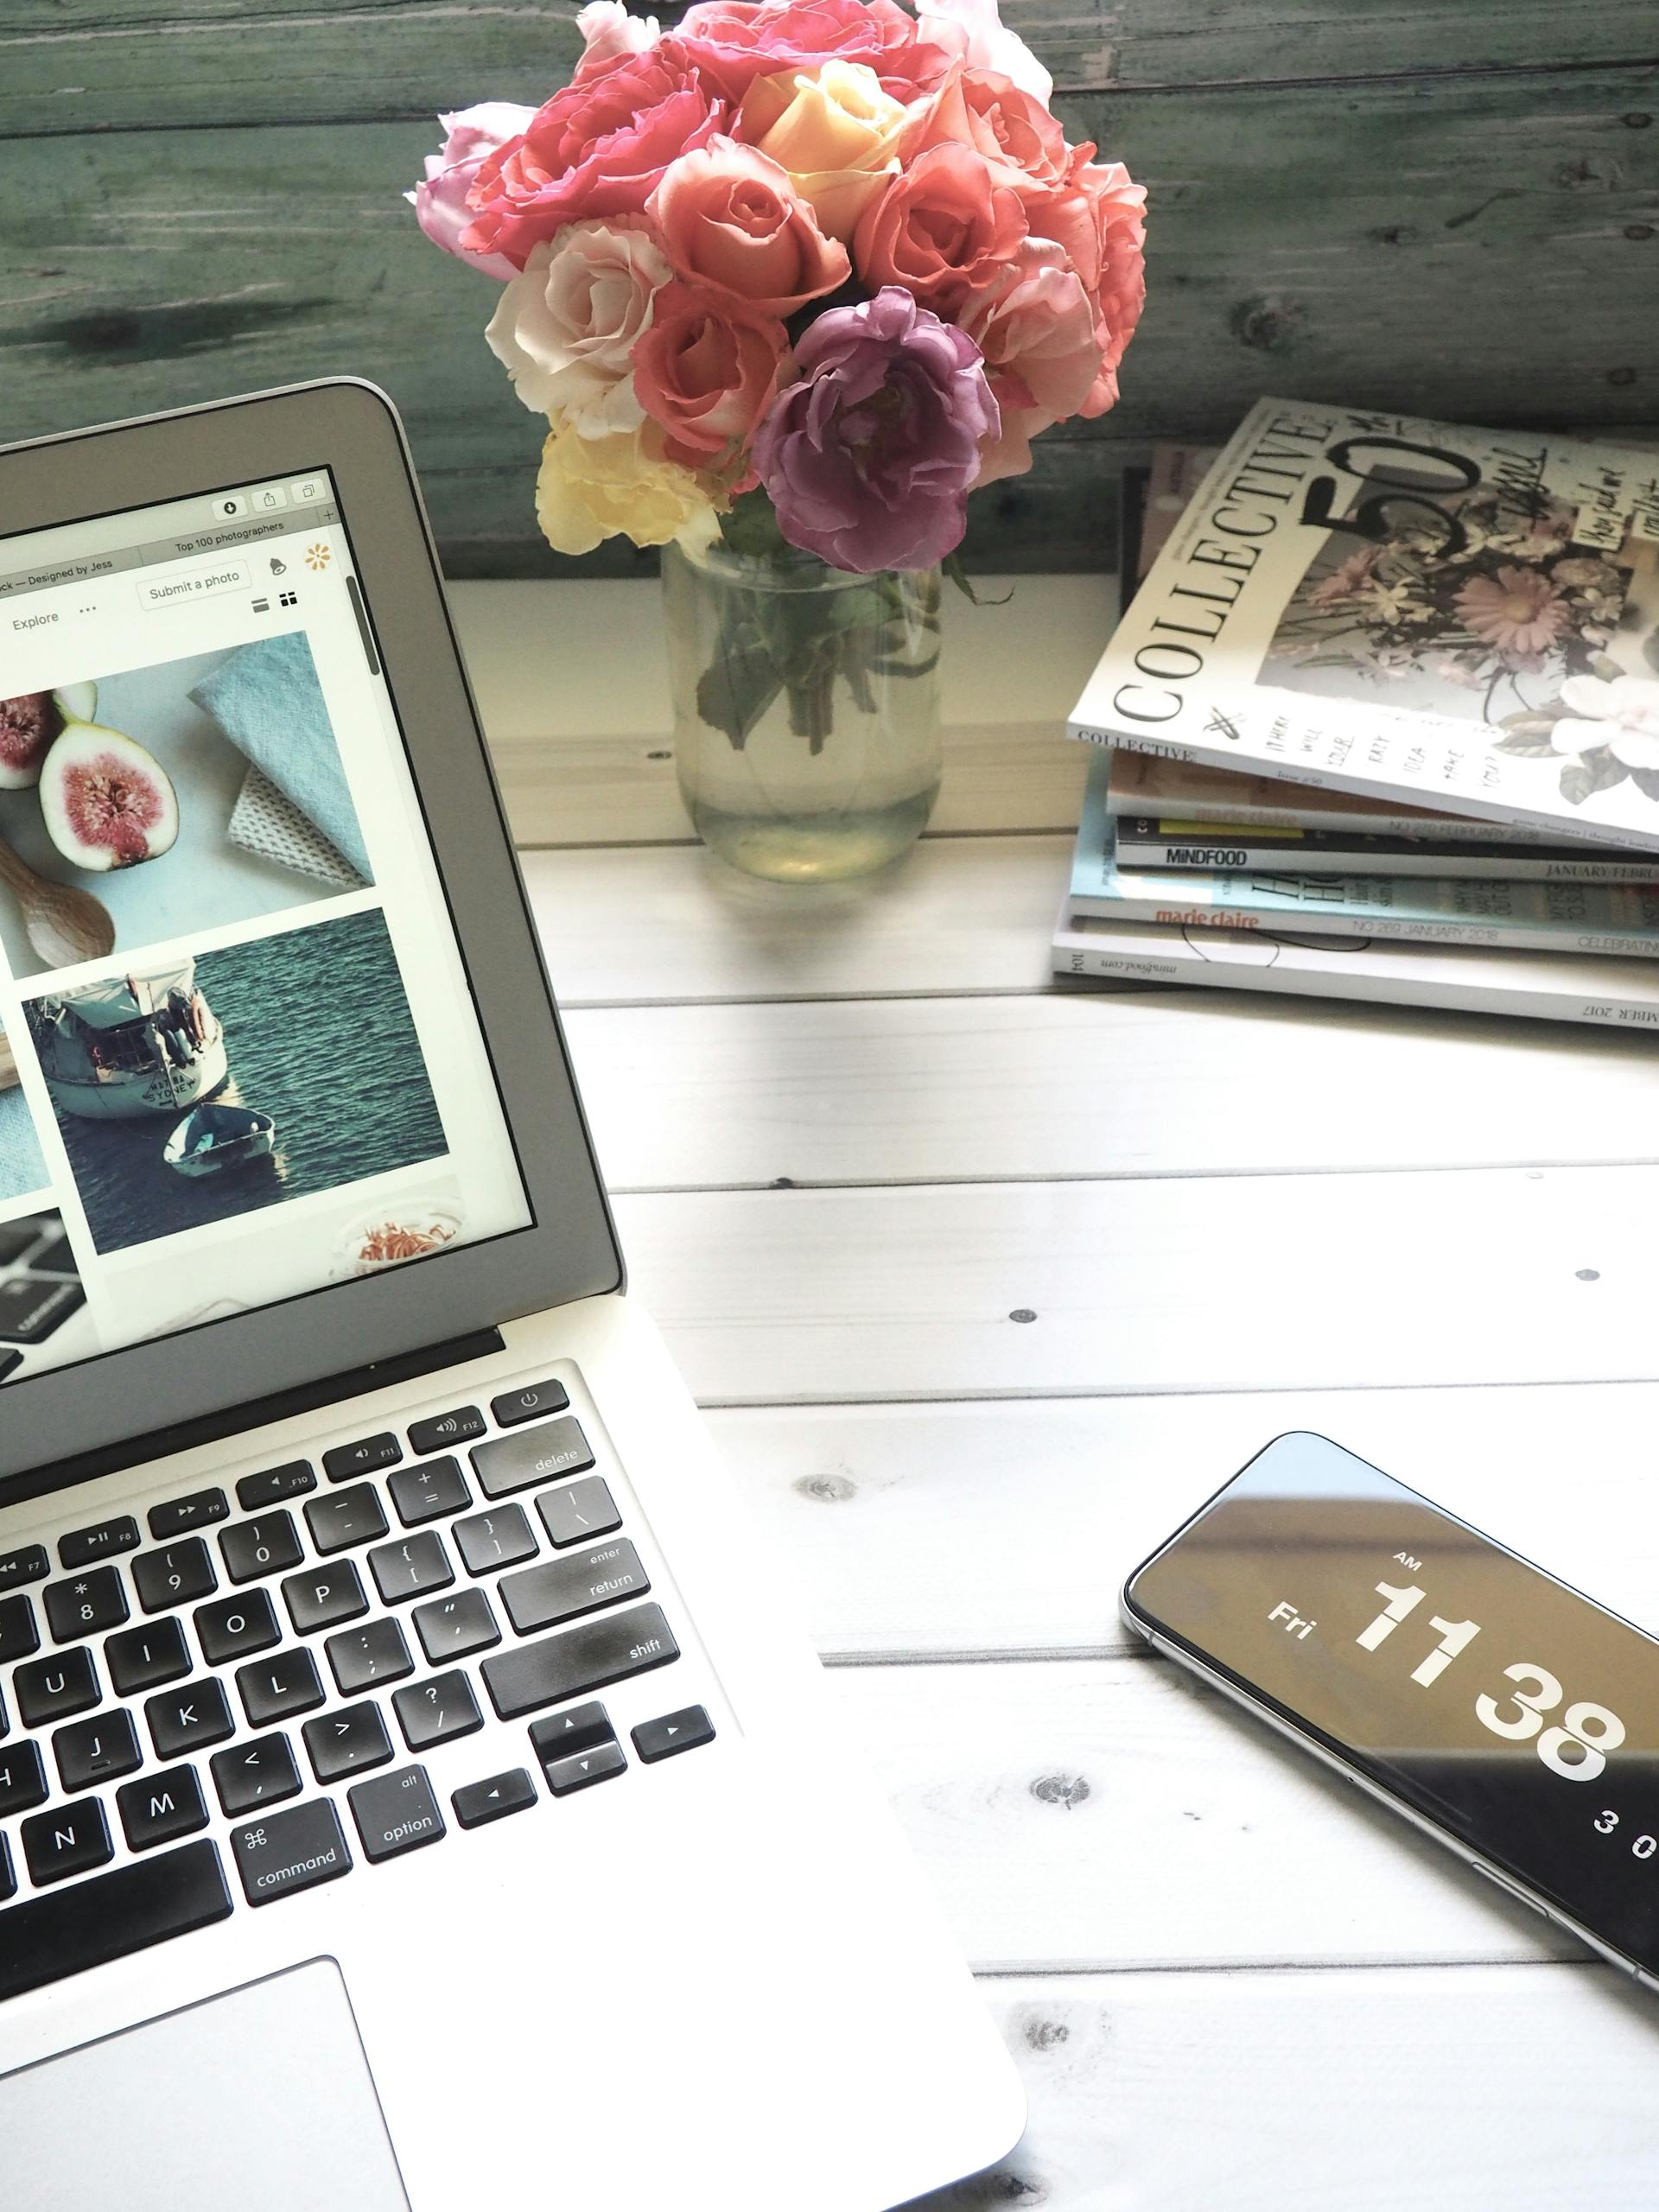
x,y
289,1851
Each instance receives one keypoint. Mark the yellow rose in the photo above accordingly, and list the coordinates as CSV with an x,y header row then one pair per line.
x,y
619,486
835,131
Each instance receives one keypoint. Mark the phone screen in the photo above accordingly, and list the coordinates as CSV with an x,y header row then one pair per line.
x,y
1507,1708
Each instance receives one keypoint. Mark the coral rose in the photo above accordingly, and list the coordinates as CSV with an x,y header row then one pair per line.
x,y
972,31
567,326
943,229
440,199
704,371
991,114
1118,209
733,42
619,486
610,33
1036,330
835,131
598,148
867,460
732,219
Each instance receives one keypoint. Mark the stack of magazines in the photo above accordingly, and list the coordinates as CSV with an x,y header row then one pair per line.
x,y
1380,721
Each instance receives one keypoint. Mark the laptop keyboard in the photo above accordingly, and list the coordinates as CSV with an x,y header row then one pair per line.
x,y
288,1659
40,1287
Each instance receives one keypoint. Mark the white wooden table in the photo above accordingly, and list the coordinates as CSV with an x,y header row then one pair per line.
x,y
984,1286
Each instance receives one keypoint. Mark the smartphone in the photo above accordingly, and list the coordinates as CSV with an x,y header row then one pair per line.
x,y
1499,1711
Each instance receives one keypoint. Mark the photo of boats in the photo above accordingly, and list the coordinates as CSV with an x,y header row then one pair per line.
x,y
203,1089
151,802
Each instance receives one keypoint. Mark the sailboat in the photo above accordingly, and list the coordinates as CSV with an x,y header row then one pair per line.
x,y
131,1045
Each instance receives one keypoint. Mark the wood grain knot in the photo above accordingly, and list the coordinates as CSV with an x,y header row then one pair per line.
x,y
1043,2035
1266,325
1023,1313
827,1489
1068,1790
999,2186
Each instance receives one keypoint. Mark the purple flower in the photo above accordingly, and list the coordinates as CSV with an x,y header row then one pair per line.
x,y
869,458
440,199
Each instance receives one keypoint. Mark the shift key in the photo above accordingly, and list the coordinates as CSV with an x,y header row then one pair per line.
x,y
580,1660
290,1850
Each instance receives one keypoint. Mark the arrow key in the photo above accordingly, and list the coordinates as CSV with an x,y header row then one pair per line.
x,y
585,1768
675,1731
493,1798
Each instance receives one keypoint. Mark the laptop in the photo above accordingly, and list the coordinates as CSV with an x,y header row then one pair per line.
x,y
413,1792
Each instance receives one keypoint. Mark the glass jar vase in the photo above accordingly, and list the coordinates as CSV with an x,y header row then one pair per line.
x,y
806,709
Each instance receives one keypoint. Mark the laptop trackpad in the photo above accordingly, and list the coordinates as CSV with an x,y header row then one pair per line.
x,y
260,2101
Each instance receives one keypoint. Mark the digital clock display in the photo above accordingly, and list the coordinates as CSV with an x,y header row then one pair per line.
x,y
1511,1712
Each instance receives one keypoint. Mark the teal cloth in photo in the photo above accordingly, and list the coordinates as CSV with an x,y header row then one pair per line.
x,y
22,1168
268,701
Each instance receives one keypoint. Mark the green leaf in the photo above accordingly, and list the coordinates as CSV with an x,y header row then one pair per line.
x,y
1523,745
1594,771
952,566
751,526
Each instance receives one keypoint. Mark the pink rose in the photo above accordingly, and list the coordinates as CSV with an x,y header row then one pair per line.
x,y
705,370
1118,211
598,148
440,201
730,218
733,42
945,228
1036,331
991,114
566,326
610,33
971,31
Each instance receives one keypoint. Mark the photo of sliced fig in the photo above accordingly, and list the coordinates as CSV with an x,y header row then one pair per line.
x,y
31,724
106,802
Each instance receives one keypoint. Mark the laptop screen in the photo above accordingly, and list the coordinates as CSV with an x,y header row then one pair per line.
x,y
241,1058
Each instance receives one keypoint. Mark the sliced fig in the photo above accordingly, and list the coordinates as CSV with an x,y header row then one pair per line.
x,y
31,724
106,802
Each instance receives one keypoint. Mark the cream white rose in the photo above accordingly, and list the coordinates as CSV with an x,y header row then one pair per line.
x,y
836,131
565,328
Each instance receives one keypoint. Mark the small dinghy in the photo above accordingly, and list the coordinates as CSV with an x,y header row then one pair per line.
x,y
214,1138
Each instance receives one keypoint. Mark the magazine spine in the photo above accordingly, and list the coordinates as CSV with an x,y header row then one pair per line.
x,y
1248,813
1341,920
1238,855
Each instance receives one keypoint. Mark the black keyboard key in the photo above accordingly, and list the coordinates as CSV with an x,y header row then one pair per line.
x,y
17,1236
487,1540
177,1576
561,1735
675,1732
445,1430
235,1627
362,1658
428,1493
608,1650
272,1484
7,1880
355,1516
578,1513
19,1632
432,1712
565,1588
539,1455
533,1403
27,1564
322,1597
291,1851
22,1780
161,1808
412,1568
259,1773
342,1743
451,1627
186,1721
30,1310
179,1515
396,1813
492,1799
565,1777
120,1913
367,1457
253,1549
57,1688
91,1601
67,1840
81,1546
144,1657
8,1361
271,1689
96,1750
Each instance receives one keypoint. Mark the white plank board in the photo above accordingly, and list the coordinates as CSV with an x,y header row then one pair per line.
x,y
665,924
1001,1529
1120,1084
1249,1282
1460,2089
1083,1813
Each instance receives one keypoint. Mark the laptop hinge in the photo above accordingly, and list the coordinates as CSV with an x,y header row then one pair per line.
x,y
255,1413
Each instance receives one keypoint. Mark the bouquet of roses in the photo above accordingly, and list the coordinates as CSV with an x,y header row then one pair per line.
x,y
805,272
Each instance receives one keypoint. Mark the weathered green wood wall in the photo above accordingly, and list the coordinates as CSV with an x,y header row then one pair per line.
x,y
1451,206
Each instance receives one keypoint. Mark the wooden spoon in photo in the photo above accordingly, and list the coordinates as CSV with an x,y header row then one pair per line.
x,y
64,926
8,1066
